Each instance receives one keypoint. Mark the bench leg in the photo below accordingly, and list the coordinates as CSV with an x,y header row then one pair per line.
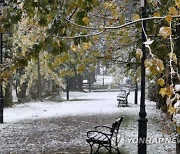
x,y
91,147
97,151
118,103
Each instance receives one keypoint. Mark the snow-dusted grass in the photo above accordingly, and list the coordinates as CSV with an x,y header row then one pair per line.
x,y
79,104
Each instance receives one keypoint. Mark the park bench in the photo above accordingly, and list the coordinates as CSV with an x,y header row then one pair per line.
x,y
105,137
122,97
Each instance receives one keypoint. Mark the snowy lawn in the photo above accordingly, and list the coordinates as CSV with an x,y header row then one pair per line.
x,y
94,104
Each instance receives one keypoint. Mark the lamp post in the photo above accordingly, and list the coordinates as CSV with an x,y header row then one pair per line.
x,y
1,62
142,121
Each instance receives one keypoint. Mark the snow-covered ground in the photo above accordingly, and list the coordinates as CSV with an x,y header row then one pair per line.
x,y
96,103
79,104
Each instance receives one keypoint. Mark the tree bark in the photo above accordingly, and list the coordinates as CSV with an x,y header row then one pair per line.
x,y
39,81
8,100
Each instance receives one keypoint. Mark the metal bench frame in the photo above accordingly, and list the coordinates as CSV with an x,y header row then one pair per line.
x,y
105,139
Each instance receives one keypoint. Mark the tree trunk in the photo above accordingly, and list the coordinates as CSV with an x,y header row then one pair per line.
x,y
39,81
67,88
79,82
21,93
8,101
98,68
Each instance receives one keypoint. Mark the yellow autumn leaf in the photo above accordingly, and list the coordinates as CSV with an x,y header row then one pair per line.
x,y
74,48
139,53
86,45
96,37
81,68
62,73
178,129
161,82
157,14
86,20
160,65
154,3
169,91
171,110
177,3
153,69
173,11
115,14
165,32
162,92
106,5
168,18
136,17
122,19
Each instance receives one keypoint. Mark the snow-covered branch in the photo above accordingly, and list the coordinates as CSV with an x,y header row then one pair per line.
x,y
111,27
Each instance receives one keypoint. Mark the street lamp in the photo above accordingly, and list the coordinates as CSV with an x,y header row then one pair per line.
x,y
142,121
1,62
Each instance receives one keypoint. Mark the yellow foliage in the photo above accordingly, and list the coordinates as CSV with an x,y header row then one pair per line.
x,y
173,11
154,3
155,65
96,37
162,92
177,3
169,91
161,82
168,18
62,73
157,14
86,20
178,129
136,17
106,5
81,68
160,65
110,5
74,48
86,45
115,14
166,91
171,110
122,19
165,32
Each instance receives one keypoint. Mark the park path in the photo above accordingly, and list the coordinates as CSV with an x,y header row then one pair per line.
x,y
61,127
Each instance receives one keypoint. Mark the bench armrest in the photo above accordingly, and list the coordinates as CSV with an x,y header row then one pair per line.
x,y
97,135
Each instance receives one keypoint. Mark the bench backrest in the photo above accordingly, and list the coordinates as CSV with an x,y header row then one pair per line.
x,y
116,125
